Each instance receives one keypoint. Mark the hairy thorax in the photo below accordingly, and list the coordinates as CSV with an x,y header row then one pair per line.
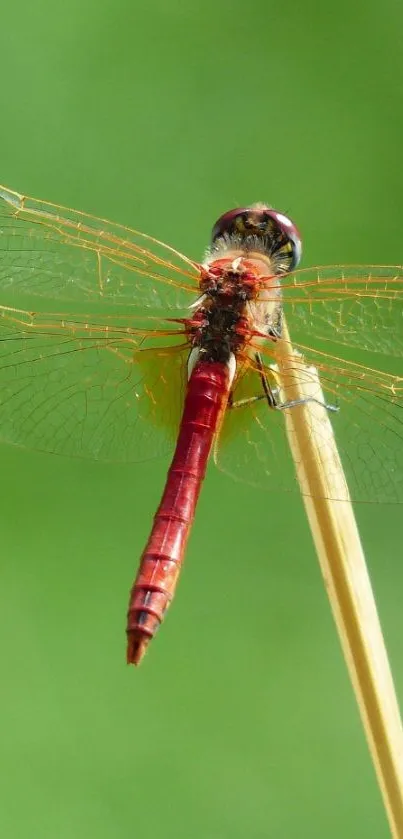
x,y
240,300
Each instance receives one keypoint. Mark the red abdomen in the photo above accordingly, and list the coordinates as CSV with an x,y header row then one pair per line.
x,y
160,564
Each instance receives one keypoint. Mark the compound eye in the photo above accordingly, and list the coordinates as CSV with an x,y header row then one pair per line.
x,y
230,223
277,234
288,231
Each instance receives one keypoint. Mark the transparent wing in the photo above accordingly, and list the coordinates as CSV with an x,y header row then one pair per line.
x,y
61,254
108,389
356,306
368,426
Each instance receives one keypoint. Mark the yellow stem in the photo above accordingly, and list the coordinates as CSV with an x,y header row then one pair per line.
x,y
334,530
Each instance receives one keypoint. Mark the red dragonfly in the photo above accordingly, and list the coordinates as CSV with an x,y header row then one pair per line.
x,y
177,349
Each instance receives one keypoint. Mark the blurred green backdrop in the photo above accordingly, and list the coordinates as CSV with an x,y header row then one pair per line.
x,y
241,722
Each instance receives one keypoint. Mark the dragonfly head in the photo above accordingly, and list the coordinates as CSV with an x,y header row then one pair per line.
x,y
260,228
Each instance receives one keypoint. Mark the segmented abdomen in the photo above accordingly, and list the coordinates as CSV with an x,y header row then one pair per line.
x,y
161,561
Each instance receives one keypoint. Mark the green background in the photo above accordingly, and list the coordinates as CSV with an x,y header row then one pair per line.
x,y
241,721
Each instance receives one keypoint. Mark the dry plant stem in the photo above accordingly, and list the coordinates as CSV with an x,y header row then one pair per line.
x,y
345,574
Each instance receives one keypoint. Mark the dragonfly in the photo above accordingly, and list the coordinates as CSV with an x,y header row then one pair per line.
x,y
118,347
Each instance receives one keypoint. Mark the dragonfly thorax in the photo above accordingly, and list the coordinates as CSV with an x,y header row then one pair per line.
x,y
223,324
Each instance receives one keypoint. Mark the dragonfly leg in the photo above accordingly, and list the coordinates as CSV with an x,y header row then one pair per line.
x,y
240,403
294,402
272,394
269,393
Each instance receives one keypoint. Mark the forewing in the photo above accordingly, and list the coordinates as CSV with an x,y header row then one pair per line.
x,y
60,254
359,306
